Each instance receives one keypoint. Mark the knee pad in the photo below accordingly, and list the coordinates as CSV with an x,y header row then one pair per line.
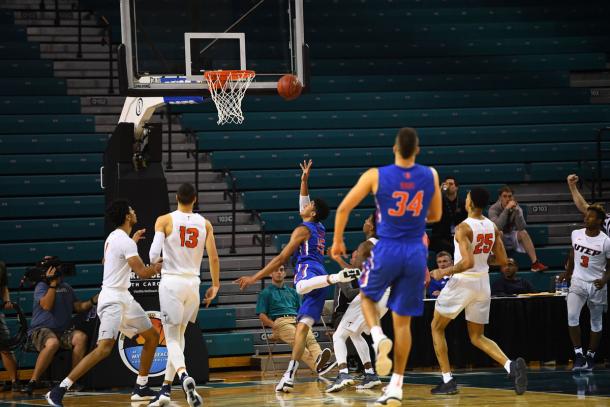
x,y
307,320
573,318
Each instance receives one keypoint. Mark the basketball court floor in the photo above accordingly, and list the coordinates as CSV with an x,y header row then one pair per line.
x,y
557,387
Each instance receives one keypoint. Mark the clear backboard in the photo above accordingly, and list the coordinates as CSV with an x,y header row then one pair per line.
x,y
169,44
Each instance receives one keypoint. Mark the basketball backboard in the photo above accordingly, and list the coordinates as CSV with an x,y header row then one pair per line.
x,y
168,44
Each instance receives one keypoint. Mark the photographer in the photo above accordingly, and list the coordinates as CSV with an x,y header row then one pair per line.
x,y
52,327
8,357
454,212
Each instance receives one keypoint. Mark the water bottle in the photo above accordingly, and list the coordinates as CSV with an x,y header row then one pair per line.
x,y
557,285
564,287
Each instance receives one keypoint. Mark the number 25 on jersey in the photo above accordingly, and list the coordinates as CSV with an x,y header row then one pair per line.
x,y
189,237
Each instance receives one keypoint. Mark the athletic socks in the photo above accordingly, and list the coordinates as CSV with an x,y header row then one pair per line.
x,y
292,369
578,350
590,354
183,375
370,370
507,365
447,377
142,380
377,334
345,370
396,380
67,383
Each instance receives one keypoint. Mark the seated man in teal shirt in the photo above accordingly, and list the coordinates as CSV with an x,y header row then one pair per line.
x,y
277,308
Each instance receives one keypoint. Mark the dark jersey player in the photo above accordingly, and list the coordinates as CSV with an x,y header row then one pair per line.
x,y
407,195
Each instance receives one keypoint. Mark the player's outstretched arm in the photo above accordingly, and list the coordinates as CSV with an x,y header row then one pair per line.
x,y
365,185
500,258
463,235
577,197
142,271
435,211
299,235
210,248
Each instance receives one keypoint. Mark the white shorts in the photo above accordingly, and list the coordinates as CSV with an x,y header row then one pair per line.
x,y
587,291
179,299
511,242
120,312
471,293
353,319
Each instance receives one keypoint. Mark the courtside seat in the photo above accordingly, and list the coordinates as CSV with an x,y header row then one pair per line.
x,y
211,319
384,137
51,206
553,256
49,184
39,104
48,229
50,123
86,275
416,118
19,50
389,83
32,86
498,153
53,143
226,344
26,68
50,164
72,251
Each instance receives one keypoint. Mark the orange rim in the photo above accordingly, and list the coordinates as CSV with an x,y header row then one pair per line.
x,y
217,79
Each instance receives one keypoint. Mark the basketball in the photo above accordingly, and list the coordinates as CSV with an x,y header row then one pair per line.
x,y
289,87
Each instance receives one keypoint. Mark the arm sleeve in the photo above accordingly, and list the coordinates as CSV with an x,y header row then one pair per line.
x,y
303,201
262,304
130,249
156,247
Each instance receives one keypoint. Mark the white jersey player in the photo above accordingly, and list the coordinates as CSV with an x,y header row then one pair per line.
x,y
588,270
353,324
117,309
182,236
469,290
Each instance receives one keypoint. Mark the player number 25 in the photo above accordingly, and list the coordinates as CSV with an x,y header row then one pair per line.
x,y
403,204
484,243
188,237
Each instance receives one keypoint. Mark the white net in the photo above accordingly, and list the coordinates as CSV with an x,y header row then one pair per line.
x,y
228,89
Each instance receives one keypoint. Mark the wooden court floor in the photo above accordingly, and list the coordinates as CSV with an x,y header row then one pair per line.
x,y
477,388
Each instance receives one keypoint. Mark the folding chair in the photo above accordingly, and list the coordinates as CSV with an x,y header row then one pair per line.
x,y
271,341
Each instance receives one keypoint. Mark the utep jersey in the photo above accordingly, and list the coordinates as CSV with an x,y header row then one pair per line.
x,y
402,199
312,250
183,248
590,255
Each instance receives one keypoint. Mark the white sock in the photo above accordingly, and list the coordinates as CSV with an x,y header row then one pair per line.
x,y
377,334
292,369
590,353
305,286
396,380
507,365
370,370
340,347
362,347
447,377
142,380
67,383
344,370
578,350
183,374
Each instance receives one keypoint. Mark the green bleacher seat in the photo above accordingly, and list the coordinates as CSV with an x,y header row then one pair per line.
x,y
26,360
26,68
429,136
72,251
415,118
39,105
50,163
25,298
32,86
53,143
49,185
227,344
50,123
45,207
48,229
378,156
19,50
210,319
85,275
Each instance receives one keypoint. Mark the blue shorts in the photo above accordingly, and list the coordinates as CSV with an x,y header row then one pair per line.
x,y
402,266
312,303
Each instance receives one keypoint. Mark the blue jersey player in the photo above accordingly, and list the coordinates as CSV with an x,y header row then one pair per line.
x,y
310,278
407,196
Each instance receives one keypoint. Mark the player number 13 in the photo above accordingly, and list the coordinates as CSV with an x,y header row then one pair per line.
x,y
188,237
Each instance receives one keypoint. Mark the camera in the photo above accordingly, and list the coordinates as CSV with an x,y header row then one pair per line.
x,y
38,273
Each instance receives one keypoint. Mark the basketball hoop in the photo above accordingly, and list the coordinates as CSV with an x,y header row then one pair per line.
x,y
227,89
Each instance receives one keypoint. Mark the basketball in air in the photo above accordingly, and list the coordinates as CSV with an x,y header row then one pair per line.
x,y
289,87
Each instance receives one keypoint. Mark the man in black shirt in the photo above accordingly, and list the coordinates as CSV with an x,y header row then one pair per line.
x,y
454,212
509,283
